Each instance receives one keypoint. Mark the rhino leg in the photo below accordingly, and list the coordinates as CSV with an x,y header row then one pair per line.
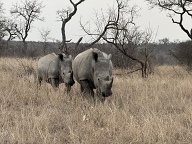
x,y
55,83
39,80
82,88
100,96
86,87
68,88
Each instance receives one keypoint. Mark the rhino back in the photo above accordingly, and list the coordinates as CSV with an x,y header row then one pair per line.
x,y
82,65
48,66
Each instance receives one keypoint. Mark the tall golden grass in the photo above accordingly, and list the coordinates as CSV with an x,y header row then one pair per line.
x,y
153,110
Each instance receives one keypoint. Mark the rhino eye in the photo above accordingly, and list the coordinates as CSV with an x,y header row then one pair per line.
x,y
98,79
107,78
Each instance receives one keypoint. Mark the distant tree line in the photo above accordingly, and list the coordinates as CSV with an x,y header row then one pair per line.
x,y
160,55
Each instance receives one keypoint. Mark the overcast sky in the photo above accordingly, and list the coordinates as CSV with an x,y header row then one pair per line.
x,y
154,18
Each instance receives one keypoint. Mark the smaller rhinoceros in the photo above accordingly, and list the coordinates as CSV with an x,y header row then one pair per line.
x,y
55,69
93,70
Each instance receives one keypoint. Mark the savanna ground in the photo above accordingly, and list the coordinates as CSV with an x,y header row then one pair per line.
x,y
153,110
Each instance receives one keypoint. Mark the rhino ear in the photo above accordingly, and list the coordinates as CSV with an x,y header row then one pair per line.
x,y
60,57
95,56
109,56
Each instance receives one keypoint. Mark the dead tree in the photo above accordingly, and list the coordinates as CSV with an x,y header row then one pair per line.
x,y
65,16
10,29
27,12
2,22
45,37
176,8
119,30
126,38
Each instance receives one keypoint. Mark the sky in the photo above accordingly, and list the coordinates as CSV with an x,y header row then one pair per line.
x,y
154,18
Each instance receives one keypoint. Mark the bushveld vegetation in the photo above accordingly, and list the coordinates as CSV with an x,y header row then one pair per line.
x,y
153,110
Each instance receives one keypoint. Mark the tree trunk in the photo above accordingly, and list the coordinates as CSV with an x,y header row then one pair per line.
x,y
24,48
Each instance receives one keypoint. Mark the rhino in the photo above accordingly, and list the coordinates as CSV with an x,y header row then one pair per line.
x,y
55,69
93,70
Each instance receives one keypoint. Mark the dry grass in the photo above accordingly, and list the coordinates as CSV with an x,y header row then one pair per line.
x,y
153,110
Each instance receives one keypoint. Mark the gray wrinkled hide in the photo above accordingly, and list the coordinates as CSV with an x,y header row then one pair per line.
x,y
93,69
56,69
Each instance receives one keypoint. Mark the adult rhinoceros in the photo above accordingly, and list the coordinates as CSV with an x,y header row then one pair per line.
x,y
93,70
55,69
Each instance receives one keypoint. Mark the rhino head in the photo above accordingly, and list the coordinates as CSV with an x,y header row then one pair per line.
x,y
102,72
65,71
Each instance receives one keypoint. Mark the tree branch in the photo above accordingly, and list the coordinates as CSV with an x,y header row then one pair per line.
x,y
177,7
64,47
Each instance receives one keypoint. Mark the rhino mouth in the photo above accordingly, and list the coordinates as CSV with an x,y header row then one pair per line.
x,y
106,94
72,83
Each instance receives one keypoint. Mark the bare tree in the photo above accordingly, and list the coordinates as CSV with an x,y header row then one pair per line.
x,y
118,28
27,12
134,44
10,29
105,23
7,29
147,47
176,8
164,41
45,37
2,22
2,30
65,16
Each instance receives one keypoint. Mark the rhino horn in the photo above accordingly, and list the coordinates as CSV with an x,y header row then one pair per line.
x,y
70,57
111,81
109,56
